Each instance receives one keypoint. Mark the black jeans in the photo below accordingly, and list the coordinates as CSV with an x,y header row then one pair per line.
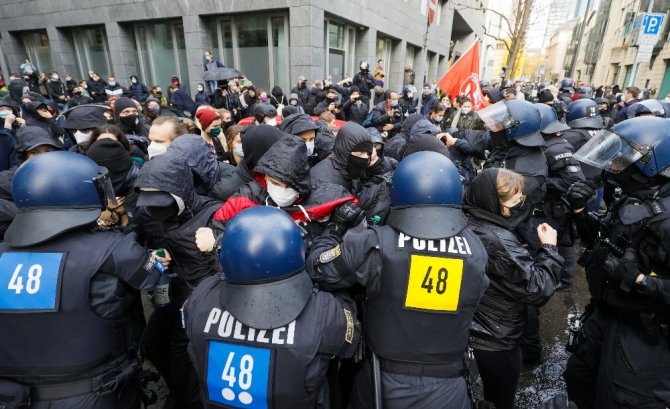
x,y
500,372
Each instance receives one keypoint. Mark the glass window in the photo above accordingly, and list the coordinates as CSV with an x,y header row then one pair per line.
x,y
90,45
36,44
179,43
252,43
336,35
280,54
351,53
336,64
226,52
162,53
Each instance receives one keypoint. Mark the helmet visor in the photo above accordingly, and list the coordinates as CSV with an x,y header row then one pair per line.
x,y
496,117
104,185
608,151
654,106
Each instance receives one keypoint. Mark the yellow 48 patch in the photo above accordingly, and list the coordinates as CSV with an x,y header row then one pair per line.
x,y
434,283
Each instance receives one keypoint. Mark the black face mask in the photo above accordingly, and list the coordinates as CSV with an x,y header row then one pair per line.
x,y
356,166
631,179
163,214
603,111
329,100
130,121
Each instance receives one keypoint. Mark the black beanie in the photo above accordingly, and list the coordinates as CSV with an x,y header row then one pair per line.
x,y
545,96
112,155
123,103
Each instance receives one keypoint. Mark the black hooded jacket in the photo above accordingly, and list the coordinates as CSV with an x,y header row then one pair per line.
x,y
517,278
277,97
395,147
334,168
256,140
172,175
50,125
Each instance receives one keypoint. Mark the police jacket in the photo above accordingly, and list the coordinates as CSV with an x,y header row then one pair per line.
x,y
421,294
66,307
280,368
564,169
517,278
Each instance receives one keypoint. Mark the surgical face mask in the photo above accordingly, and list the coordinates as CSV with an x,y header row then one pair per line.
x,y
293,102
5,114
200,89
215,132
55,77
466,110
155,111
133,80
282,196
155,149
238,151
272,122
264,98
81,137
68,78
438,119
310,148
112,83
394,103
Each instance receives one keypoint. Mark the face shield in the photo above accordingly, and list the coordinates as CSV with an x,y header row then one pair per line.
x,y
610,152
104,185
497,117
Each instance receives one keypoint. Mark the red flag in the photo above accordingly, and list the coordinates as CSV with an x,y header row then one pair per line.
x,y
463,78
432,11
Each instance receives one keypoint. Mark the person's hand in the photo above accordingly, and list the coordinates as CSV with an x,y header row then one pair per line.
x,y
447,139
21,122
580,193
165,260
387,127
345,216
547,234
204,239
626,273
9,121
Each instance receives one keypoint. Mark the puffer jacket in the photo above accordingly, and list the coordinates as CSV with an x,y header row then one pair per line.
x,y
517,277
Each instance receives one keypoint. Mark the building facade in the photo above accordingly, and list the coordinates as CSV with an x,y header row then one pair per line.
x,y
271,41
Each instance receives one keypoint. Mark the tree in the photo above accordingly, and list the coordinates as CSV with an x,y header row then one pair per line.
x,y
515,26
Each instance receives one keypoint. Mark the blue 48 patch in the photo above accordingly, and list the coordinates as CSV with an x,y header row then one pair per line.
x,y
238,376
30,282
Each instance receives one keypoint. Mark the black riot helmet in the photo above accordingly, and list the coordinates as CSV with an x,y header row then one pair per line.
x,y
365,66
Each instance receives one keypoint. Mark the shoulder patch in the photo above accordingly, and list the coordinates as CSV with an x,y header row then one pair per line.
x,y
330,255
573,168
349,334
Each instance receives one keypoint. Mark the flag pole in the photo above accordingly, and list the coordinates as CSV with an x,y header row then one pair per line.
x,y
424,52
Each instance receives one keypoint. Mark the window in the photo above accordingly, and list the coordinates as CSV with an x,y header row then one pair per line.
x,y
409,56
91,50
384,49
161,50
340,42
257,45
36,44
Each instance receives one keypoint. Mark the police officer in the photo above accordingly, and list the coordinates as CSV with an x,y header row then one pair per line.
x,y
64,291
364,81
564,170
424,276
623,358
649,107
566,90
585,121
262,337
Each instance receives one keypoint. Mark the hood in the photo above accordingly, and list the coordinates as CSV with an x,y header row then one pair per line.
x,y
256,140
85,118
297,123
409,123
277,92
10,103
481,198
286,160
17,88
426,142
324,141
421,127
194,150
172,175
30,137
293,97
348,137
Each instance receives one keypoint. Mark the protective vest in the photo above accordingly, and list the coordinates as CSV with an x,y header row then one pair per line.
x,y
44,305
242,367
428,293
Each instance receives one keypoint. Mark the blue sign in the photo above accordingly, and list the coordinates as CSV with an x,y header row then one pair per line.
x,y
652,24
238,376
30,282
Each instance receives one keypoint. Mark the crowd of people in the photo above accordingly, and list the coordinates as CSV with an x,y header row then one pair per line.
x,y
345,245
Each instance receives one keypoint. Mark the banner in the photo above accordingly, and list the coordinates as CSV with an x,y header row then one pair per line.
x,y
463,78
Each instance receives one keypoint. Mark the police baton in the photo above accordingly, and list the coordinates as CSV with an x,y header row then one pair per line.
x,y
377,381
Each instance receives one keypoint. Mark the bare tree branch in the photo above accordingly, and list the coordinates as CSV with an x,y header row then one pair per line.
x,y
452,6
504,41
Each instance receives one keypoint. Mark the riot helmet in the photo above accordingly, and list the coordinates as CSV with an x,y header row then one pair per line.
x,y
56,192
567,84
584,113
484,83
262,255
642,142
365,66
426,197
264,110
549,123
648,107
519,120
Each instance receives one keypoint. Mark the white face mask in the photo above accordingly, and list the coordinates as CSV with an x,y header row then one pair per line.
x,y
272,122
238,151
310,148
155,149
466,110
282,196
81,137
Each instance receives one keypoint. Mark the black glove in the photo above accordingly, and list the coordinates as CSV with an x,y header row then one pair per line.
x,y
624,274
345,216
580,193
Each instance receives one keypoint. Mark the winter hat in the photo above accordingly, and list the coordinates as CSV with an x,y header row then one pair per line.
x,y
380,83
545,96
123,103
112,155
206,117
426,85
354,88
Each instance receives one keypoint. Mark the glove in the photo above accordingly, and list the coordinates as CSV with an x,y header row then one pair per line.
x,y
345,216
624,274
580,193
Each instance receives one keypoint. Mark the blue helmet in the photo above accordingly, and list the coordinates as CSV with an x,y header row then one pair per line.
x,y
567,84
263,260
584,113
520,121
641,141
56,192
549,123
426,197
649,107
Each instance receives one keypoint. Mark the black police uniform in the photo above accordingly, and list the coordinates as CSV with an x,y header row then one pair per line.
x,y
284,367
421,296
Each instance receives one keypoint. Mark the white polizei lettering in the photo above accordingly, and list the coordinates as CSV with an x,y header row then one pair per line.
x,y
238,331
452,245
431,245
443,245
461,247
213,318
290,335
402,238
275,336
226,325
262,338
252,334
419,244
467,246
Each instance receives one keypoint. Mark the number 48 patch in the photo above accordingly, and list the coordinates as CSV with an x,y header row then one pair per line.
x,y
434,283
